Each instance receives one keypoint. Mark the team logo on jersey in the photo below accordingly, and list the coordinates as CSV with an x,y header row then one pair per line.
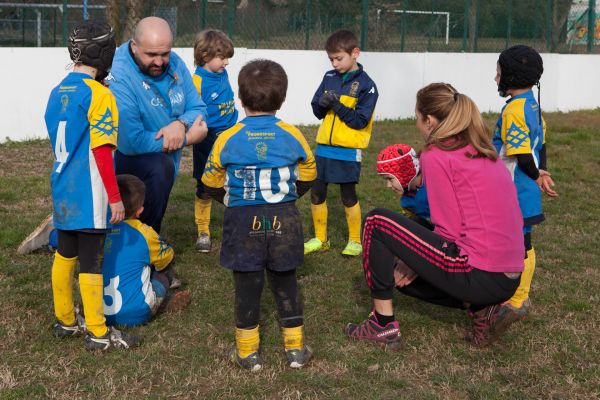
x,y
64,101
176,98
162,247
214,95
372,91
261,150
104,124
354,88
145,85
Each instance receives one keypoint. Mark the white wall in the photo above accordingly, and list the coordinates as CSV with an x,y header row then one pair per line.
x,y
570,82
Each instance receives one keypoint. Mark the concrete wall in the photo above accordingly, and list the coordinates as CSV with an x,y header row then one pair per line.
x,y
570,82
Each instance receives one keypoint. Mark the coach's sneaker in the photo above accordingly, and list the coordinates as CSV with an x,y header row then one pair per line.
x,y
353,249
112,338
37,239
298,358
252,362
203,244
314,245
482,326
509,314
387,336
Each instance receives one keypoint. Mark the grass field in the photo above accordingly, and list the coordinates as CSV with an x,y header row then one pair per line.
x,y
554,354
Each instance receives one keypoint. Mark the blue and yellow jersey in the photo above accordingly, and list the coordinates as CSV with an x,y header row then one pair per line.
x,y
417,204
258,161
343,133
130,248
520,131
81,115
216,92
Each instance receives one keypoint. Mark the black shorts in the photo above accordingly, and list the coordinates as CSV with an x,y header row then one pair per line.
x,y
262,236
337,171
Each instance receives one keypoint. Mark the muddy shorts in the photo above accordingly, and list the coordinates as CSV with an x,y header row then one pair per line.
x,y
262,236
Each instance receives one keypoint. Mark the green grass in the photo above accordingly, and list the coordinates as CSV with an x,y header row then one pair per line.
x,y
554,354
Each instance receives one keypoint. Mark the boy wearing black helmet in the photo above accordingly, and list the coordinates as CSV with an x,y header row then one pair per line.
x,y
82,122
520,139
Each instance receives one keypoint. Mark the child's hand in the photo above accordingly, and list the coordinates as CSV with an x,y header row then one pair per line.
x,y
403,275
546,183
328,99
117,211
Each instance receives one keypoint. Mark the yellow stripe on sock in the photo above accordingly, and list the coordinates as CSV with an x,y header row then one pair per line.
x,y
63,270
319,214
293,338
202,209
353,218
92,296
247,341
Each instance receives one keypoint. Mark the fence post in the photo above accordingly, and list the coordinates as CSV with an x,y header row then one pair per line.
x,y
403,26
549,25
65,22
509,24
466,25
591,25
364,25
307,24
230,17
256,23
476,33
204,17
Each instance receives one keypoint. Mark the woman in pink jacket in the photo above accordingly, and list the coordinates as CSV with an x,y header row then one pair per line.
x,y
474,256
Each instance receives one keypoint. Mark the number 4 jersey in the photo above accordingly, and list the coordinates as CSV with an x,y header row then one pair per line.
x,y
81,115
258,161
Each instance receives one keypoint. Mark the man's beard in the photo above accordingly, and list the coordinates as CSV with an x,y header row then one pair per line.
x,y
153,70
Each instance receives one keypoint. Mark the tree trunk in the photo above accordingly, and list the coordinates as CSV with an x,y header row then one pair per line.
x,y
472,25
112,16
134,12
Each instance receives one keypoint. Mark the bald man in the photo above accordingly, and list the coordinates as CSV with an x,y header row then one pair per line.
x,y
160,112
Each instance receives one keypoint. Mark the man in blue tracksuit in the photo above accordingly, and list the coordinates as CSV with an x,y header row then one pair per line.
x,y
160,109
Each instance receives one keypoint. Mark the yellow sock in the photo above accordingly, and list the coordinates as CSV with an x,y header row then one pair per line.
x,y
202,214
353,219
522,292
92,296
293,338
247,341
319,214
63,270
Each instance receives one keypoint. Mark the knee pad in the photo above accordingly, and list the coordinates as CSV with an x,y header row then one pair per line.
x,y
348,192
318,192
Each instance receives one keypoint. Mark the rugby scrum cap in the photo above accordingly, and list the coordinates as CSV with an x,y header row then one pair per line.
x,y
520,67
93,43
401,162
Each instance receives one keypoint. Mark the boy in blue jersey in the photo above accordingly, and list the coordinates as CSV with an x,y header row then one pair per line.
x,y
345,101
258,168
136,263
520,139
212,52
82,121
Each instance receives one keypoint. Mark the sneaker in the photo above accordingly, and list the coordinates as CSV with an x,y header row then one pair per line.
x,y
298,358
482,333
315,244
177,301
63,331
112,338
203,244
385,336
353,249
508,315
175,283
252,362
37,239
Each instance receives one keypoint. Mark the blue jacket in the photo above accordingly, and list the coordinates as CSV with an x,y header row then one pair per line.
x,y
350,125
146,103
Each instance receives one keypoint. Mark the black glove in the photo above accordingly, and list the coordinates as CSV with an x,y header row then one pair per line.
x,y
328,99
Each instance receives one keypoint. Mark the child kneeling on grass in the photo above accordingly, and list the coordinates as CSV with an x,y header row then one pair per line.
x,y
258,168
473,257
136,269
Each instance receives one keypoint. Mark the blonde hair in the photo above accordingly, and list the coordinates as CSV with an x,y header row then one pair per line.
x,y
211,43
460,120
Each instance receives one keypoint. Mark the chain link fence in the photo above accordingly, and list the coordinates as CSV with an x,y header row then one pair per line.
x,y
564,26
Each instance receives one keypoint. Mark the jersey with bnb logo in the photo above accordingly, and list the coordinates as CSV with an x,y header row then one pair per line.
x,y
81,115
258,161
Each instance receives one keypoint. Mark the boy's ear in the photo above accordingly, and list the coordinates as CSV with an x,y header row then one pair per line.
x,y
355,53
139,212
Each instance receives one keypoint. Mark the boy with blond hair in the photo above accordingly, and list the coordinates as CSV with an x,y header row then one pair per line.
x,y
212,51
